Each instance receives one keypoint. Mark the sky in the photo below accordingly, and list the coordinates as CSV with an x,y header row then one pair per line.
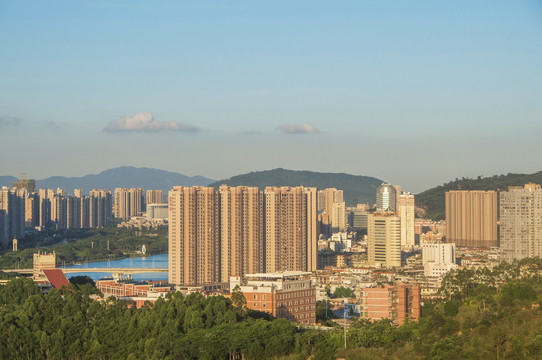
x,y
414,92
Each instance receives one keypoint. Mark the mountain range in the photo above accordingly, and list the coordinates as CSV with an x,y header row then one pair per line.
x,y
124,176
357,189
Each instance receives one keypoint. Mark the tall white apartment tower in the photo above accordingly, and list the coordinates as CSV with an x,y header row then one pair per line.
x,y
405,209
521,222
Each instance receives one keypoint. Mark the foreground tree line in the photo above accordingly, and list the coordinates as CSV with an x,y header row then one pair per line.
x,y
496,320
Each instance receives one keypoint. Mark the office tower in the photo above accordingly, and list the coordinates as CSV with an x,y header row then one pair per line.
x,y
194,252
78,193
384,239
471,218
154,197
521,222
405,210
241,231
327,199
12,214
290,229
128,203
386,197
358,219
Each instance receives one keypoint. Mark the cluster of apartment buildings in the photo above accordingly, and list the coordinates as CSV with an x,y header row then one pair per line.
x,y
472,220
23,207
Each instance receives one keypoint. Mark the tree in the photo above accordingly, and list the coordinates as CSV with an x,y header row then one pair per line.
x,y
238,299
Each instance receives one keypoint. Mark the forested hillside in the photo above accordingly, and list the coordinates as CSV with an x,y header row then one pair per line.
x,y
357,189
484,314
432,200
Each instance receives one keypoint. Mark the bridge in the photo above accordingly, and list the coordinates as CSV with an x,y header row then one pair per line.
x,y
127,271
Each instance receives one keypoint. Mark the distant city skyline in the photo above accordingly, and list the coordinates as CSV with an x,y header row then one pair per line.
x,y
416,93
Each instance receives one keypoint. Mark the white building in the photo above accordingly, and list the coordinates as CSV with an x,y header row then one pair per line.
x,y
438,258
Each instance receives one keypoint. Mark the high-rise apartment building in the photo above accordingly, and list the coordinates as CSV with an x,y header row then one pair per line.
x,y
241,231
386,197
12,214
333,216
25,184
31,210
290,229
154,197
521,222
384,239
405,210
253,231
338,217
100,207
194,248
471,218
128,203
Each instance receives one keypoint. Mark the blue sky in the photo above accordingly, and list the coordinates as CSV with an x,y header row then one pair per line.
x,y
416,92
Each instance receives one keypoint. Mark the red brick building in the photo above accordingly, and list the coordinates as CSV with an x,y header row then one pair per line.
x,y
286,295
395,302
137,292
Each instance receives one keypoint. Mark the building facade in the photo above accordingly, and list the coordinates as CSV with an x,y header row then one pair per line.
x,y
471,218
406,212
384,239
386,197
12,214
521,222
286,295
395,302
269,231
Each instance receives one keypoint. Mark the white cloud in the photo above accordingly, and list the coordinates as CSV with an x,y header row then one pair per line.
x,y
146,122
298,129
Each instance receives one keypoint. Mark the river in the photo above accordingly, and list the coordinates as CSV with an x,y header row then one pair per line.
x,y
155,261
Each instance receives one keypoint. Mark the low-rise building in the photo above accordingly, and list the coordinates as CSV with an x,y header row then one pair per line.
x,y
288,295
395,302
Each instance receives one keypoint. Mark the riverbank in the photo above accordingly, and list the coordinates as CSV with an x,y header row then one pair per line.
x,y
87,245
156,262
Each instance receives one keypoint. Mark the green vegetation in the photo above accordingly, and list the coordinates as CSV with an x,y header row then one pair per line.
x,y
432,201
483,314
357,189
343,292
82,245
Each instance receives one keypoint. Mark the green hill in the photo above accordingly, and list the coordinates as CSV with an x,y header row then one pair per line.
x,y
432,200
357,189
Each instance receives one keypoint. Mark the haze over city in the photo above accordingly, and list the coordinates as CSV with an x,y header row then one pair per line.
x,y
418,93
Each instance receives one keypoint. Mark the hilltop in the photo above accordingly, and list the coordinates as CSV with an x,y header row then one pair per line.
x,y
356,188
432,201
